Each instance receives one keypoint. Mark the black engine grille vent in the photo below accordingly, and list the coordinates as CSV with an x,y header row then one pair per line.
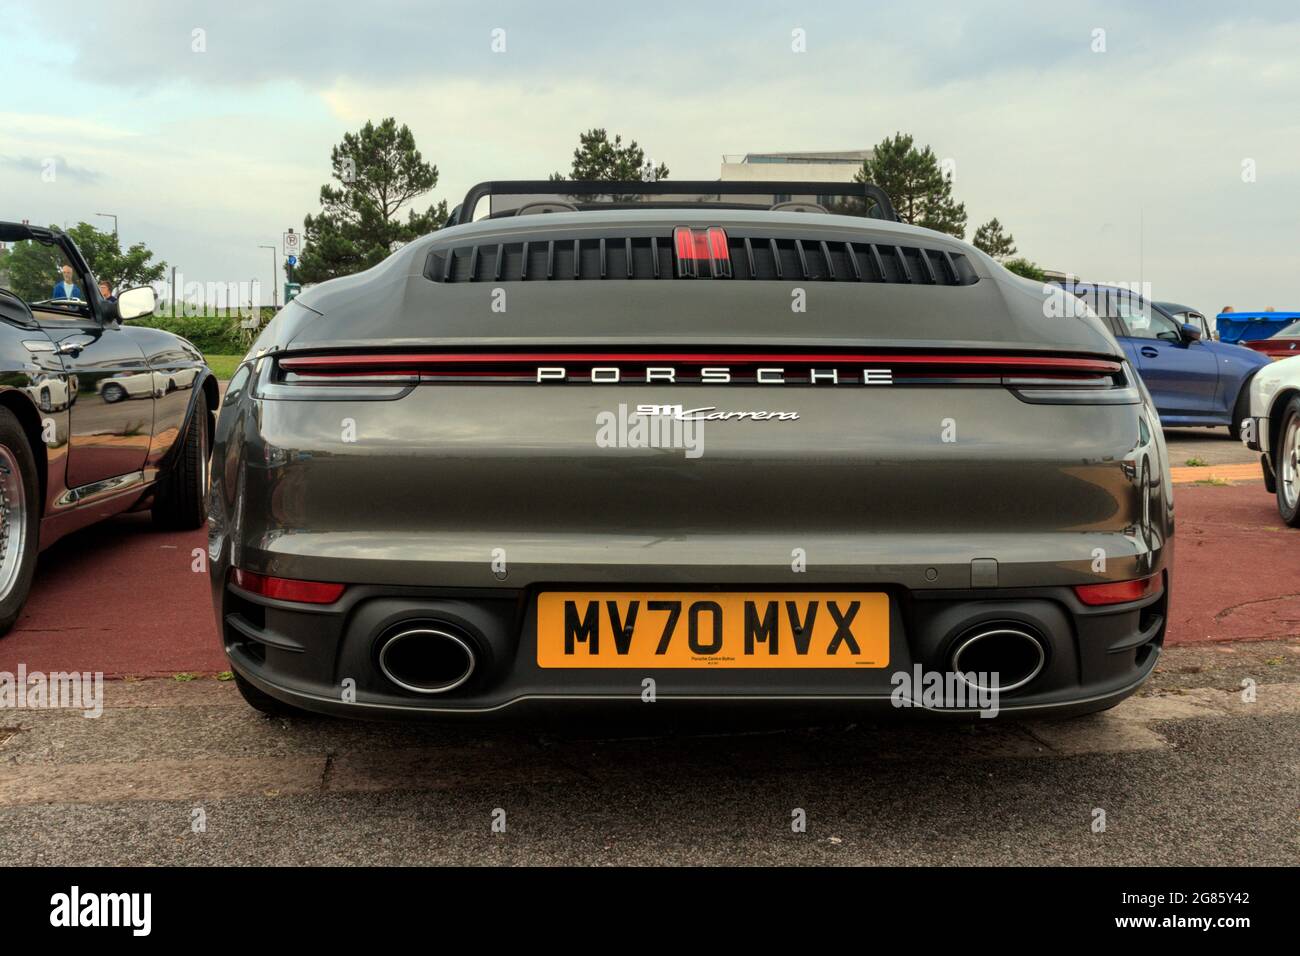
x,y
652,257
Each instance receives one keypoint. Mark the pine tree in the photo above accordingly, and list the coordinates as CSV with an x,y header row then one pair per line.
x,y
914,181
596,158
379,172
992,239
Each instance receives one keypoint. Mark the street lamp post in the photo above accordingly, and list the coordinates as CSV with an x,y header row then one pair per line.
x,y
275,293
109,215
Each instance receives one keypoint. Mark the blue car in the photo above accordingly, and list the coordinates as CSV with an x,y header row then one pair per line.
x,y
1194,381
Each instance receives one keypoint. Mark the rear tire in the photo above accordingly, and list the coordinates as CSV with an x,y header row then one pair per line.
x,y
1286,464
181,504
264,703
20,512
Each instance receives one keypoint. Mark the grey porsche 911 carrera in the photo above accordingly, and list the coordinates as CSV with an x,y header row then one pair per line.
x,y
692,441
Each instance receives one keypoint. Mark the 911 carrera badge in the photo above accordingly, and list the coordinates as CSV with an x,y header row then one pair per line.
x,y
710,413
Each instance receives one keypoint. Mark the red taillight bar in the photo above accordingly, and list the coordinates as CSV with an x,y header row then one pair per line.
x,y
432,360
288,589
1117,592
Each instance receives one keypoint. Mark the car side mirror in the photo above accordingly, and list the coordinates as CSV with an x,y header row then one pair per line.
x,y
135,303
1191,333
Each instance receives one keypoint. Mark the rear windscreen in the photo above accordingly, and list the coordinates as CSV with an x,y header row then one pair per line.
x,y
511,204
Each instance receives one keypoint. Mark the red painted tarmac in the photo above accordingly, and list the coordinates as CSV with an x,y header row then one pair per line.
x,y
123,599
120,598
1236,566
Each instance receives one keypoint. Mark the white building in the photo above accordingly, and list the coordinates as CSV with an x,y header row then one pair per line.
x,y
836,166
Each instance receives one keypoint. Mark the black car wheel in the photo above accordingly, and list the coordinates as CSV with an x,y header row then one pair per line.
x,y
19,519
1287,464
181,503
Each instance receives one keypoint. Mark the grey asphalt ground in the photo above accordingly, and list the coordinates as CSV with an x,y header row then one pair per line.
x,y
1210,445
1187,773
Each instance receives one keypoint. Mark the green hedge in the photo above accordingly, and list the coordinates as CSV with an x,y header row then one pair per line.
x,y
209,333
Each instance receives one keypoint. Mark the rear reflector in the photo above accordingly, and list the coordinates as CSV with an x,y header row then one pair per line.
x,y
1117,592
287,589
700,248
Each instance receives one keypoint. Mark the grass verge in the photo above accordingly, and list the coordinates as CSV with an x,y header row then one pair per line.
x,y
223,366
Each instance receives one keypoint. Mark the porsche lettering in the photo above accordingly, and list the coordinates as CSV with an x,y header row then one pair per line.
x,y
716,375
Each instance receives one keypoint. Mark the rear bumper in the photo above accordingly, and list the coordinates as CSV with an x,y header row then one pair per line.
x,y
331,706
326,659
459,505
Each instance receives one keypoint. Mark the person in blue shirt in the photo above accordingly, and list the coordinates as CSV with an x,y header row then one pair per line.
x,y
67,289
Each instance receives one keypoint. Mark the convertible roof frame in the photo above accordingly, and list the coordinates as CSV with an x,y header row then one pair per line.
x,y
683,187
18,231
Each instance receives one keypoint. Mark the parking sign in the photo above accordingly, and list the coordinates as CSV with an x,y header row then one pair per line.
x,y
292,243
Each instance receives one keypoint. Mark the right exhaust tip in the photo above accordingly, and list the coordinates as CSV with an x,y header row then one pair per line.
x,y
427,659
998,657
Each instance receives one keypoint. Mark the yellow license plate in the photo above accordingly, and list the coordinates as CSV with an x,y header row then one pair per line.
x,y
708,629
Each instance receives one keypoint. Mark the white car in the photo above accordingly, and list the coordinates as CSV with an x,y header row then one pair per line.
x,y
1273,429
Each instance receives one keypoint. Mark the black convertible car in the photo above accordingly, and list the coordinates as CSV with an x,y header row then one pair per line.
x,y
687,441
96,417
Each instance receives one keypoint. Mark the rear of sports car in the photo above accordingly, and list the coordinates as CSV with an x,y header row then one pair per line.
x,y
688,455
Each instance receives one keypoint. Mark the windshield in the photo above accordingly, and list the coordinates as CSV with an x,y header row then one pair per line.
x,y
1290,331
42,276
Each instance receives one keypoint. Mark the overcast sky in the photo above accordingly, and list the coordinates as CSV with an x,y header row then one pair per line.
x,y
1125,164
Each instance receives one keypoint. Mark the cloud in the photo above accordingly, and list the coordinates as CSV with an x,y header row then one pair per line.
x,y
50,168
1119,163
76,128
1114,163
212,43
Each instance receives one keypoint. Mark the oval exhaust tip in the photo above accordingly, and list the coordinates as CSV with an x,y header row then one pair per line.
x,y
1013,653
427,660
